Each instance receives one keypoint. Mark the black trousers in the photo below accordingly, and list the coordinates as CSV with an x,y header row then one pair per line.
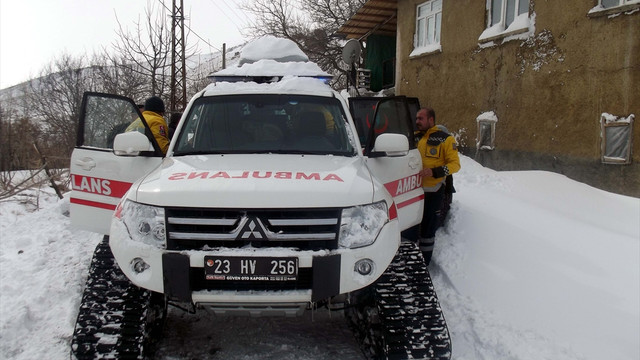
x,y
432,204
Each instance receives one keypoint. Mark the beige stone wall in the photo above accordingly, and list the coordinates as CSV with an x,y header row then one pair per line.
x,y
548,91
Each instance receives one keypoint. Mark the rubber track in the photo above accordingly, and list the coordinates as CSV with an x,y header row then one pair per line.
x,y
111,322
413,325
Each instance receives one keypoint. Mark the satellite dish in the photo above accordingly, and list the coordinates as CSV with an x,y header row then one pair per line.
x,y
351,51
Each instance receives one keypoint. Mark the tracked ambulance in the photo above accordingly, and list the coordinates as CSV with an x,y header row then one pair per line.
x,y
271,200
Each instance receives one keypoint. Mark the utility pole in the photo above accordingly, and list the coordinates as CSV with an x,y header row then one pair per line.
x,y
224,55
178,63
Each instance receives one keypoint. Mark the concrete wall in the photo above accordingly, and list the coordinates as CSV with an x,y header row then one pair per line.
x,y
548,90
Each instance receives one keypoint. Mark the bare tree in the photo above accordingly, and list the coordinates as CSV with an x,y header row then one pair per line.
x,y
54,100
46,113
20,137
6,132
114,76
17,134
146,51
197,79
43,111
311,25
331,14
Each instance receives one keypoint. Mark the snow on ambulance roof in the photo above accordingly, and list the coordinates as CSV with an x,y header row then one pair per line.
x,y
270,57
286,85
271,47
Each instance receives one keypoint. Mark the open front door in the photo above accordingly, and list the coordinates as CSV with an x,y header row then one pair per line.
x,y
99,178
398,173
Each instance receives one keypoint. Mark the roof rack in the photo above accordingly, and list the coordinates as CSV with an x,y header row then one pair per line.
x,y
268,60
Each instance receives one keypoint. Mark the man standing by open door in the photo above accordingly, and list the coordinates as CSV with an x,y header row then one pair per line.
x,y
439,153
154,116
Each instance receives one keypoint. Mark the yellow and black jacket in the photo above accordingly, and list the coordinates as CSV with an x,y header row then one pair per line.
x,y
439,152
158,127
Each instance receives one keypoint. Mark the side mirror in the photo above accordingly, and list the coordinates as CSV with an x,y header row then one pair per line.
x,y
131,143
390,144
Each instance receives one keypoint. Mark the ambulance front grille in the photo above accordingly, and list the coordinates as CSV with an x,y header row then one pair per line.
x,y
303,229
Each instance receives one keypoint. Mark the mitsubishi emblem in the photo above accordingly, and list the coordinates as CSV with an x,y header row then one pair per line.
x,y
252,230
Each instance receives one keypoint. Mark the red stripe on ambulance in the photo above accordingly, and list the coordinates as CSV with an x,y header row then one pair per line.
x,y
99,186
92,203
410,201
404,185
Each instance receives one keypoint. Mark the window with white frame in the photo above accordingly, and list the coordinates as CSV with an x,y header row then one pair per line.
x,y
608,7
506,17
607,4
428,21
616,132
504,12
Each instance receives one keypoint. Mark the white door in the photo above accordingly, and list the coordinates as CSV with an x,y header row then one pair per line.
x,y
99,178
399,174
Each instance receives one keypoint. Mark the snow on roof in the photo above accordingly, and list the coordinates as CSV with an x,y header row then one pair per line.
x,y
271,47
269,67
269,56
288,84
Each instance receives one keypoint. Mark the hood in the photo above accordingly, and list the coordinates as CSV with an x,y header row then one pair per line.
x,y
257,181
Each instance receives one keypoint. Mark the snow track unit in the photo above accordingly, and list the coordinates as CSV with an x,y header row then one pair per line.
x,y
116,320
399,317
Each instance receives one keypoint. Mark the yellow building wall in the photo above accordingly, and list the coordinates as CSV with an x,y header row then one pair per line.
x,y
548,91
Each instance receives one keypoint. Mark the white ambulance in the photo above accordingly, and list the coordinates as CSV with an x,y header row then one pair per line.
x,y
270,197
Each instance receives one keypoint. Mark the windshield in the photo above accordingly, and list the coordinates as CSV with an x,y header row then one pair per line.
x,y
289,124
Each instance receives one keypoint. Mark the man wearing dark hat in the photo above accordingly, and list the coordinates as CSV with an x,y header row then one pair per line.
x,y
153,112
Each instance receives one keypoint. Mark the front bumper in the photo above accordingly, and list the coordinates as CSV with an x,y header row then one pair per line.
x,y
322,274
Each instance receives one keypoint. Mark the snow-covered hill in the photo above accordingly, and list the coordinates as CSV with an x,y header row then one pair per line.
x,y
199,66
531,265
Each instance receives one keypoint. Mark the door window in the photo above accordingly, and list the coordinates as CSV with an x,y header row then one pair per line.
x,y
104,116
391,116
387,114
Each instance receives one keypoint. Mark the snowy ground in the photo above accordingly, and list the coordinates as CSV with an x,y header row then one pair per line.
x,y
531,265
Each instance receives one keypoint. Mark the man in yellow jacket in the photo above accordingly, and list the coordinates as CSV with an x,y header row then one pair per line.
x,y
439,153
153,115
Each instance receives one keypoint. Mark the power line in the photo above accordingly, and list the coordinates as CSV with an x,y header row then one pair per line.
x,y
246,19
225,14
190,29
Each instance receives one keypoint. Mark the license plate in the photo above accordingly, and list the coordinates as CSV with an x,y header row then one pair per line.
x,y
250,268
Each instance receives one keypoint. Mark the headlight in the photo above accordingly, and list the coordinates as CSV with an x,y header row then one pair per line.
x,y
360,225
145,223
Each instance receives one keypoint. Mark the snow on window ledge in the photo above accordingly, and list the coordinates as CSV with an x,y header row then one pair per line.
x,y
489,116
613,119
629,8
521,28
426,50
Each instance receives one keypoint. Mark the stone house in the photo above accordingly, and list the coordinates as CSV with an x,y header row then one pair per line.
x,y
523,84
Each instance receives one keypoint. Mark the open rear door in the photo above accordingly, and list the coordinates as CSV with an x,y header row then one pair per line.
x,y
99,178
398,173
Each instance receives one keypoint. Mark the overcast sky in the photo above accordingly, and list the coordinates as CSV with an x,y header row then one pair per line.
x,y
35,32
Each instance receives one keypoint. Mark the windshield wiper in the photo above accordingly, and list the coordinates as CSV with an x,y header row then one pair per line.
x,y
272,151
199,152
320,152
